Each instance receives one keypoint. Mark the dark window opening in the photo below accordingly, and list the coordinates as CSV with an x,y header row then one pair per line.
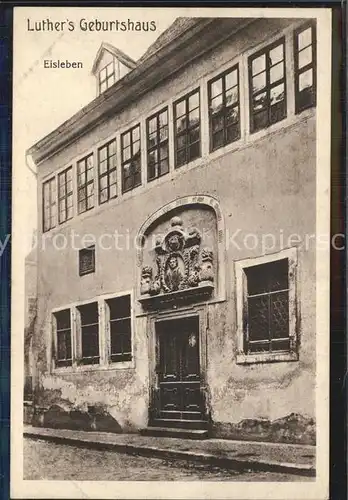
x,y
224,118
187,129
89,333
267,86
157,145
131,159
107,172
49,204
120,328
63,332
65,195
85,184
267,319
305,67
87,260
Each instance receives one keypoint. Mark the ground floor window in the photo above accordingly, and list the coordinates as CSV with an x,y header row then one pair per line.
x,y
94,333
266,296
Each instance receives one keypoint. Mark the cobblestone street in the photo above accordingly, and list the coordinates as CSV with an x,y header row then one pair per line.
x,y
44,460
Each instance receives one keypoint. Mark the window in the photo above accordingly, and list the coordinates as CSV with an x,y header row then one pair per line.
x,y
120,328
107,76
49,204
267,86
65,195
131,159
266,308
157,145
107,172
89,321
63,338
85,184
305,67
224,123
187,129
87,260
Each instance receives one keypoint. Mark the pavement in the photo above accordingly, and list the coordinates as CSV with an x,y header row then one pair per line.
x,y
237,455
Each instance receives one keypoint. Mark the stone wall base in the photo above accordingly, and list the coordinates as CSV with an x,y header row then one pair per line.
x,y
293,428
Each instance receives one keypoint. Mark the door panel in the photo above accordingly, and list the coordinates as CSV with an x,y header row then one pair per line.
x,y
179,369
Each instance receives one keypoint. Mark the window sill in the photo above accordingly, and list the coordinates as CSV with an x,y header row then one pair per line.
x,y
122,365
247,359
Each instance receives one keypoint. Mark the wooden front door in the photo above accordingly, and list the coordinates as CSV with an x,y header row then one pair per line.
x,y
178,370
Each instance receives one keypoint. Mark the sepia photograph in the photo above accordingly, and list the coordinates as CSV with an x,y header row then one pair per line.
x,y
171,240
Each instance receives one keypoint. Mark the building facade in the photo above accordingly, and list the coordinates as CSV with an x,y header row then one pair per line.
x,y
176,275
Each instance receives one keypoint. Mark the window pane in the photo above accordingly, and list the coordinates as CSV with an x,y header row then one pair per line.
x,y
102,154
305,80
216,104
90,341
259,64
119,307
232,133
181,141
216,88
181,124
217,123
112,177
277,93
164,166
113,191
279,315
276,55
218,139
126,139
194,135
194,117
163,133
136,134
232,115
163,118
305,38
180,108
277,72
164,151
259,81
258,314
126,153
260,102
194,151
305,57
193,101
232,96
103,166
89,312
63,319
181,157
231,79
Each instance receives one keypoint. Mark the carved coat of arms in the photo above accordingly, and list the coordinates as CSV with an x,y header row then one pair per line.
x,y
180,262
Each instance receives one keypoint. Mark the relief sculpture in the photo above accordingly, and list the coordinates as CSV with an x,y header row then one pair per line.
x,y
180,262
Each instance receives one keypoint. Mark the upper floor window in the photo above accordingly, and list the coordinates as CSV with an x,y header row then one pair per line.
x,y
223,92
107,76
63,338
120,328
131,159
157,145
87,260
65,195
305,67
107,172
89,333
49,204
267,86
85,184
187,129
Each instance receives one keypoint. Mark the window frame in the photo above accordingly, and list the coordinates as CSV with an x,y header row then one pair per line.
x,y
132,155
67,194
210,82
68,362
128,358
196,90
90,248
84,187
108,171
312,65
112,76
159,143
243,357
53,206
268,86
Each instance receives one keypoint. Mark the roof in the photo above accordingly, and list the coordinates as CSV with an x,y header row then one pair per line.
x,y
121,56
185,40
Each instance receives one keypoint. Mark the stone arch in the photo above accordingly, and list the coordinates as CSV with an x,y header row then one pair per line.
x,y
180,203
